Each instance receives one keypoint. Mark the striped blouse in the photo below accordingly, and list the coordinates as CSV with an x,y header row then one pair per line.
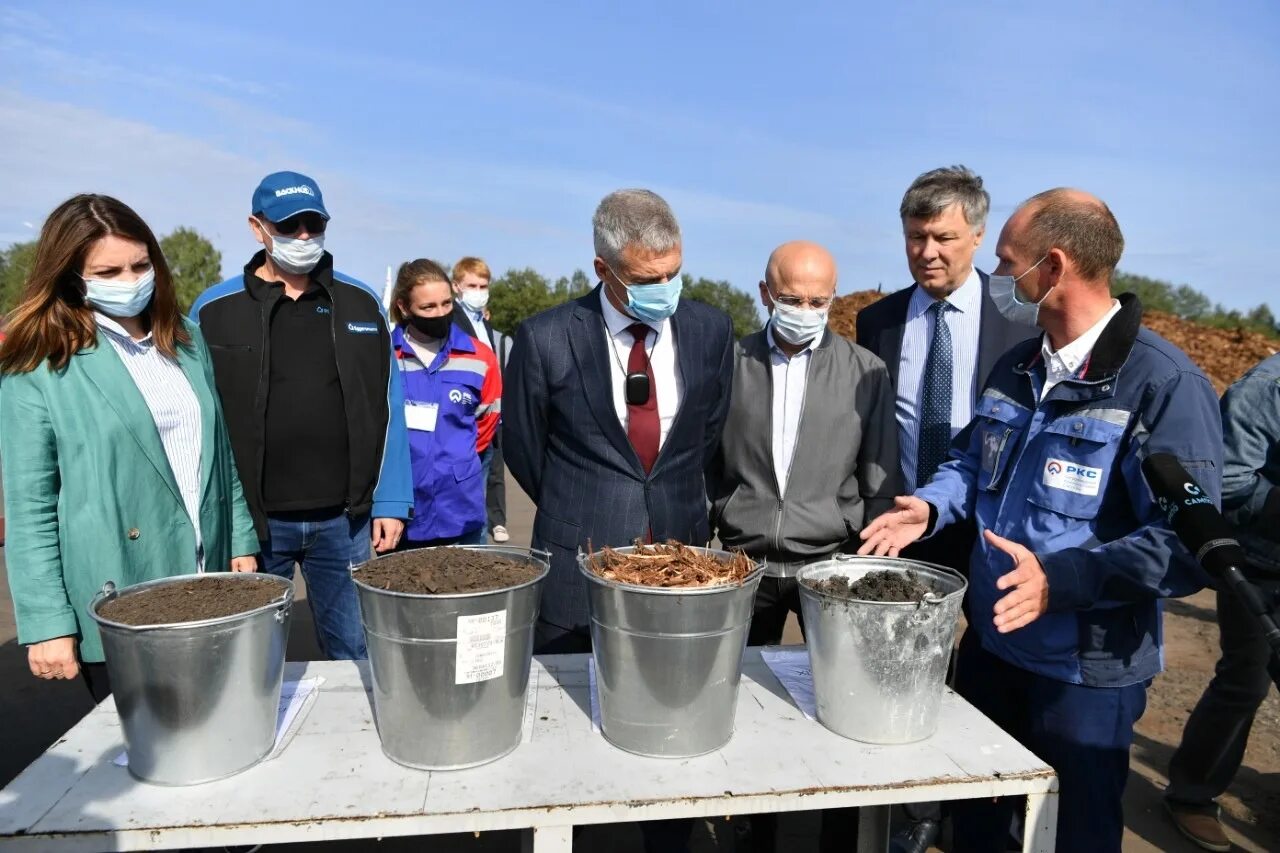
x,y
174,408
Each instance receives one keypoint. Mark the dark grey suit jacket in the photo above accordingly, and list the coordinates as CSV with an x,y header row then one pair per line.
x,y
564,444
880,327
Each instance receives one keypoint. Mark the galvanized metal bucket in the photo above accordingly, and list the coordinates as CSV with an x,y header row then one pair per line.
x,y
442,704
198,701
879,668
668,661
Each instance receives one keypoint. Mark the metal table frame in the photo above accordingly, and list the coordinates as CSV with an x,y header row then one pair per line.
x,y
332,781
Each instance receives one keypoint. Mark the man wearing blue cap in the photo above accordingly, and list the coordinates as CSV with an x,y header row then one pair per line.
x,y
304,365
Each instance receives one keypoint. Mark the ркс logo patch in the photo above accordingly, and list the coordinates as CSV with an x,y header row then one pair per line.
x,y
456,396
1072,477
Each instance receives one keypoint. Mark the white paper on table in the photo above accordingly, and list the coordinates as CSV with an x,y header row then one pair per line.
x,y
293,698
791,666
591,686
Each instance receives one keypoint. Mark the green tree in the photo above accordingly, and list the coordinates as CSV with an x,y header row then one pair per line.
x,y
738,304
15,264
193,261
1261,319
518,294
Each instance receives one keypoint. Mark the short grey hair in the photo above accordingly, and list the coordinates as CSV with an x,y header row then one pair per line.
x,y
633,217
938,189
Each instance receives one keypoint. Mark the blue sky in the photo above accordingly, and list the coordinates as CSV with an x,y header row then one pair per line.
x,y
444,129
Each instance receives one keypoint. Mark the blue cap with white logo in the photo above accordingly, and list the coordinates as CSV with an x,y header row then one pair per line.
x,y
285,194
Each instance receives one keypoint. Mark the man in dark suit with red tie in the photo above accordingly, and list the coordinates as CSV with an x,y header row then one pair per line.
x,y
939,338
612,411
613,407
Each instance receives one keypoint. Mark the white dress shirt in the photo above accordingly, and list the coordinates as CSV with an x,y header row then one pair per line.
x,y
174,409
661,346
965,323
790,376
1064,363
477,321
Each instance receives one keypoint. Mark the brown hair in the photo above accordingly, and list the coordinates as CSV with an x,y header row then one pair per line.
x,y
474,266
52,321
410,275
1081,226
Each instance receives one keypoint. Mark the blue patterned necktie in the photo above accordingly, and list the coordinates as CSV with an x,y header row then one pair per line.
x,y
935,399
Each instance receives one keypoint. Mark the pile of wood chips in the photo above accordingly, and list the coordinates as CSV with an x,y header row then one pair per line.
x,y
670,565
1223,354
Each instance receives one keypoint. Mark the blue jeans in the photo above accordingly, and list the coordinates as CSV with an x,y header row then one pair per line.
x,y
327,549
1084,733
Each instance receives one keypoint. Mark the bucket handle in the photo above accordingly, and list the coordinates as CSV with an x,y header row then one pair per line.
x,y
108,591
282,612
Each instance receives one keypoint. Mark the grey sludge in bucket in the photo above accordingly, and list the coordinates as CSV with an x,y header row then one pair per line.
x,y
668,661
879,668
428,715
197,701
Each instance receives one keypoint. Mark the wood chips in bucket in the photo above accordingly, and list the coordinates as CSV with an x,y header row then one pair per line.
x,y
670,565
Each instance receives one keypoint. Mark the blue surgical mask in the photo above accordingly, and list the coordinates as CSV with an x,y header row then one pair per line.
x,y
295,255
1004,293
653,303
797,326
120,298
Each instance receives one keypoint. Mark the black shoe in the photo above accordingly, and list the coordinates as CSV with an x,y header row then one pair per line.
x,y
917,837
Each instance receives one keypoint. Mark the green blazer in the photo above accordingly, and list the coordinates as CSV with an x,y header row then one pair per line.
x,y
90,497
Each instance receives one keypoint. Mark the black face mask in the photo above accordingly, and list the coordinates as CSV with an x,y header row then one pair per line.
x,y
431,327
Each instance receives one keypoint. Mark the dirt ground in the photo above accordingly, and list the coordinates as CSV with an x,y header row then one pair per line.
x,y
33,714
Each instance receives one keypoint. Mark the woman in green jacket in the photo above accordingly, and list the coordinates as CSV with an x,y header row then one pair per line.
x,y
114,453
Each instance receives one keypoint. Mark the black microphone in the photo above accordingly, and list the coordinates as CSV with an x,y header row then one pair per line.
x,y
1206,534
1192,515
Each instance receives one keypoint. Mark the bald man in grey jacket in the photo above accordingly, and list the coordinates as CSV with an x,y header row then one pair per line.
x,y
809,453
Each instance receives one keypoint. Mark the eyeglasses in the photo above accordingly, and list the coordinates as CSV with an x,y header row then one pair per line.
x,y
817,303
314,223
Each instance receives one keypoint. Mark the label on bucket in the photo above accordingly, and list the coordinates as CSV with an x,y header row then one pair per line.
x,y
482,647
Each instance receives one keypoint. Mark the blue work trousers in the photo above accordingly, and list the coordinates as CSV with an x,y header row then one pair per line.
x,y
1083,732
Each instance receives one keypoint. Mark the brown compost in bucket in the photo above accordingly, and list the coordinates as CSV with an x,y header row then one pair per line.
x,y
670,565
207,597
445,571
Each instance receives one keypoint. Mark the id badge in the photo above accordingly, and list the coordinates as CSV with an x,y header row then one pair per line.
x,y
421,416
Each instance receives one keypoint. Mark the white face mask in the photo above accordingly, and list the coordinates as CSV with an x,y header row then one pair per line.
x,y
1004,293
476,300
797,326
293,255
120,298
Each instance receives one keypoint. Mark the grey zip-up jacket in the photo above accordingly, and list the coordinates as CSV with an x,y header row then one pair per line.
x,y
845,469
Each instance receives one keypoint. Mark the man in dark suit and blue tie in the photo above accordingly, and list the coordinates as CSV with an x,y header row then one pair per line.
x,y
939,338
613,407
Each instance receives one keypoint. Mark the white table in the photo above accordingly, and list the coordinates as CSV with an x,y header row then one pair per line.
x,y
333,782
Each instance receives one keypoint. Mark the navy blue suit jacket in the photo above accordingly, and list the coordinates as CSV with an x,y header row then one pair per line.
x,y
879,328
564,444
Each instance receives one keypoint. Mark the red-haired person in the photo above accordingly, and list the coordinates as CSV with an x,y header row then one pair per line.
x,y
452,402
117,465
471,278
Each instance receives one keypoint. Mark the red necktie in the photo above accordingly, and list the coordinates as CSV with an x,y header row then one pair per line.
x,y
642,421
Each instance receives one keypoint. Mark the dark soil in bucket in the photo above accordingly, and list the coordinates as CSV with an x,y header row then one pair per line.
x,y
443,571
210,597
877,586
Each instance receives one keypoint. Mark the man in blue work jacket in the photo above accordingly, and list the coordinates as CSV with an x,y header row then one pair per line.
x,y
1074,557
